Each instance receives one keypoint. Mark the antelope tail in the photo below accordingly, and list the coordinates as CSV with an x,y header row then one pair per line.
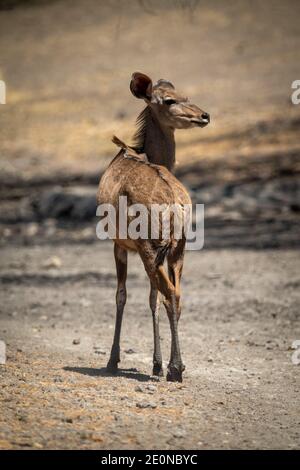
x,y
119,142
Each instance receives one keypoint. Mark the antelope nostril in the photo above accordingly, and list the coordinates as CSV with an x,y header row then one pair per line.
x,y
205,116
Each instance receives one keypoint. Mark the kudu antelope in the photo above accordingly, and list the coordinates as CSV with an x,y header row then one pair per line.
x,y
142,172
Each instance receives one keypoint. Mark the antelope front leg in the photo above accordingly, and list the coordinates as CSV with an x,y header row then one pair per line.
x,y
175,265
157,358
176,366
159,278
166,287
121,265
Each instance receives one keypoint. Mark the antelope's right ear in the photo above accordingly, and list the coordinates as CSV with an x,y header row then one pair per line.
x,y
141,86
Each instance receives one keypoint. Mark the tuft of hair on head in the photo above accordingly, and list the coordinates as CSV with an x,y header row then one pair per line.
x,y
119,142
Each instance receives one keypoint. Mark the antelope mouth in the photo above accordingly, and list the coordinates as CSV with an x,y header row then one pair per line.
x,y
200,122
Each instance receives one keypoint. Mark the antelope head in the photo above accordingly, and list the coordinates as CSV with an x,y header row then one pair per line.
x,y
171,108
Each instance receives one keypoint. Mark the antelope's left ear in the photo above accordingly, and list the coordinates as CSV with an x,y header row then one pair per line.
x,y
141,86
165,84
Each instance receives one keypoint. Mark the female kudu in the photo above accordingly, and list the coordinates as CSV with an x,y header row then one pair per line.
x,y
142,173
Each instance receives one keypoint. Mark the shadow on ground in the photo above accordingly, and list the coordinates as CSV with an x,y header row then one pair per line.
x,y
131,373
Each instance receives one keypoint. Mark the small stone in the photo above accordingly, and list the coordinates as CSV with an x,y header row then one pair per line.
x,y
32,229
37,445
85,302
53,262
213,275
76,341
35,305
98,350
145,404
7,232
155,378
22,418
58,379
151,388
138,388
179,433
97,437
130,351
85,435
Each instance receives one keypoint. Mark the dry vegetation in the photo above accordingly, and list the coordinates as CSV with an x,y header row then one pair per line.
x,y
67,66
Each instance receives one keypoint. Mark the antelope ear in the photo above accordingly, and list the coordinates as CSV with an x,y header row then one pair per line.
x,y
165,83
141,86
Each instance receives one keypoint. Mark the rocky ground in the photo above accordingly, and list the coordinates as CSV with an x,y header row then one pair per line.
x,y
240,318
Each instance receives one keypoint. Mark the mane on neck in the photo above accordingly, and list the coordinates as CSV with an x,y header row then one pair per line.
x,y
140,134
155,140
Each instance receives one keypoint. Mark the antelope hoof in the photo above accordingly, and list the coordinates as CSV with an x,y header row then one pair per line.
x,y
112,367
175,374
158,370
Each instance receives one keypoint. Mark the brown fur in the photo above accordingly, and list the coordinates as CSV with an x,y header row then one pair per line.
x,y
141,172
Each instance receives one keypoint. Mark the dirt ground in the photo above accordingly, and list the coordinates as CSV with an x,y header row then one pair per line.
x,y
67,66
240,389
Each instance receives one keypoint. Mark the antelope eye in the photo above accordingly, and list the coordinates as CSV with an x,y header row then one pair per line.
x,y
169,101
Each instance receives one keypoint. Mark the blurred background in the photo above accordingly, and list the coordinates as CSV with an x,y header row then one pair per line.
x,y
67,66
